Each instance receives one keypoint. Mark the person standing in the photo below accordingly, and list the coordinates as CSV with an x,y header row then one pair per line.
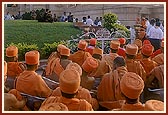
x,y
89,21
155,35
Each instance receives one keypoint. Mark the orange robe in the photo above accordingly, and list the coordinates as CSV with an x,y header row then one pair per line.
x,y
31,83
53,55
133,107
136,67
148,64
159,59
11,103
156,53
73,104
79,57
87,81
15,68
158,73
109,87
138,57
108,58
55,67
82,94
102,68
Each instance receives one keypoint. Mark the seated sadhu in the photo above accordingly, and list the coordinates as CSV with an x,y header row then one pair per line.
x,y
57,65
108,58
11,103
131,86
92,45
80,56
138,42
102,68
109,93
69,85
155,79
14,67
5,77
131,63
83,93
29,81
121,50
56,54
146,61
88,67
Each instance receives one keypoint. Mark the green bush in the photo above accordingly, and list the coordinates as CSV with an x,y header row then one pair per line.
x,y
110,22
23,48
49,48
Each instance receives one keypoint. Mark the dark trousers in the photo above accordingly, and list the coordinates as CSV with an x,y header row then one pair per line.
x,y
155,43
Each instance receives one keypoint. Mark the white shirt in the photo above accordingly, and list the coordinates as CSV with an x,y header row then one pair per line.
x,y
155,33
89,22
99,23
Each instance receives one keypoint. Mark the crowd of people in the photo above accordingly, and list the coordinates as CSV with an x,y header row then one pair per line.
x,y
88,79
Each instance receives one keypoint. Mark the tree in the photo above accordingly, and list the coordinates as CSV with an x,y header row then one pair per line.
x,y
111,23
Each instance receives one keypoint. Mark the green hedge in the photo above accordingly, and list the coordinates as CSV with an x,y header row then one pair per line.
x,y
45,51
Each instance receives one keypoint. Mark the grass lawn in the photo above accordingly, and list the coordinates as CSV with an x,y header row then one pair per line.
x,y
34,32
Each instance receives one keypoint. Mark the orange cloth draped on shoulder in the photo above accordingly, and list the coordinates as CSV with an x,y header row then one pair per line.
x,y
16,93
136,67
148,64
79,57
73,104
108,58
54,66
102,68
156,53
58,67
158,73
82,94
15,68
53,55
138,57
18,96
109,87
31,83
12,104
133,107
159,59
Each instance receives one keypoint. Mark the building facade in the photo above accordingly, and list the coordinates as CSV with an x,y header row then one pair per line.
x,y
127,13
